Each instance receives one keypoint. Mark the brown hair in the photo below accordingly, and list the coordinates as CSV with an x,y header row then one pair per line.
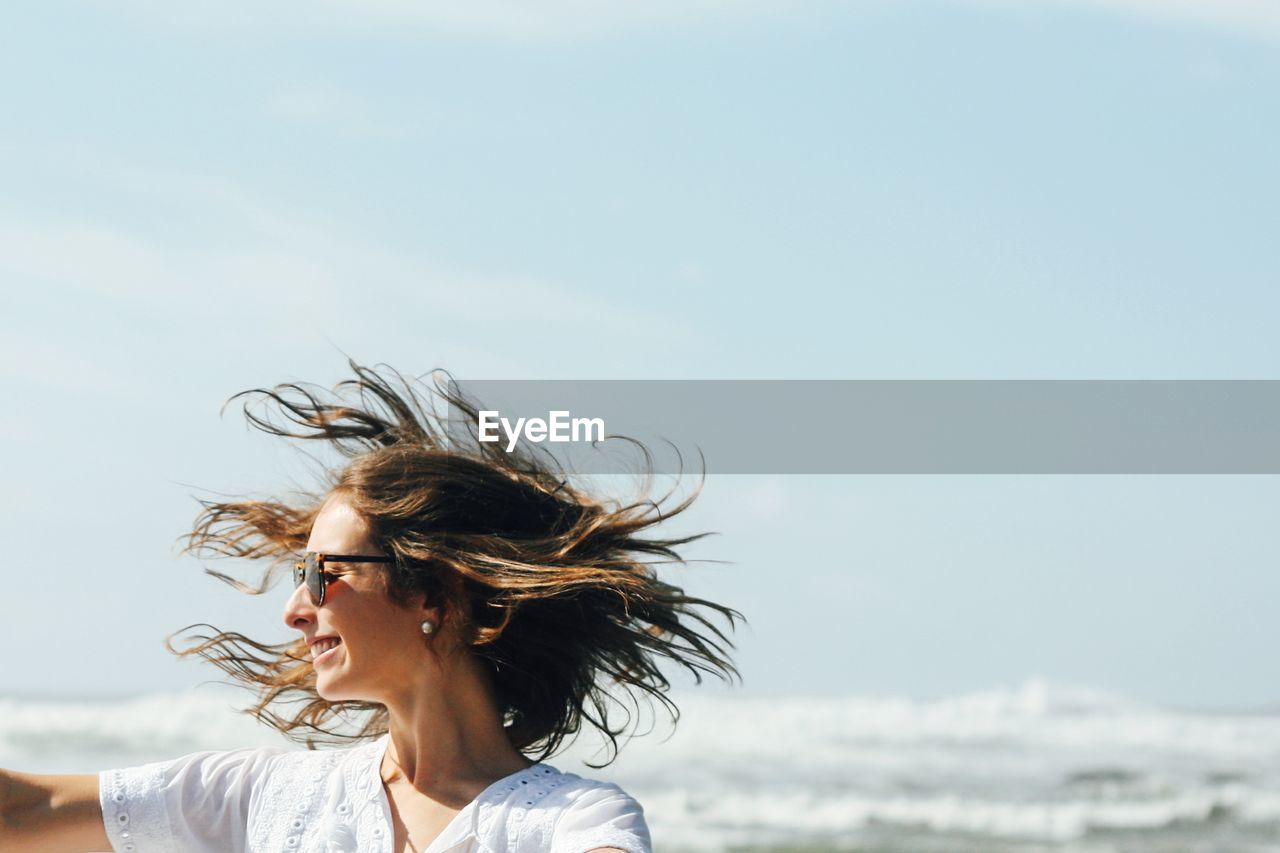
x,y
553,588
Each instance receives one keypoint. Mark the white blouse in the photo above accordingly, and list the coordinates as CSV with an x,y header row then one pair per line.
x,y
333,801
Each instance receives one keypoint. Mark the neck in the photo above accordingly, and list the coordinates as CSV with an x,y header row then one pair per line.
x,y
448,741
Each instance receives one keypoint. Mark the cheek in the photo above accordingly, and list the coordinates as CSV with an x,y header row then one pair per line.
x,y
376,632
374,635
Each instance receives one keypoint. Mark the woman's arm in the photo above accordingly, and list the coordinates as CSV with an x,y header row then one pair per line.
x,y
55,813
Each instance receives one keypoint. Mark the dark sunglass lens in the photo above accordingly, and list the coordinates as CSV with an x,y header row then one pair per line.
x,y
315,579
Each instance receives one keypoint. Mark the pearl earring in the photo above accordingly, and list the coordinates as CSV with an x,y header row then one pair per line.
x,y
428,626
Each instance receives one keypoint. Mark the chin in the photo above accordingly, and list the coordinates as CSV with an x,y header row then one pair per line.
x,y
330,691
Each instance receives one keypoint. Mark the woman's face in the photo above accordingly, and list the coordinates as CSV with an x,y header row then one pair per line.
x,y
379,643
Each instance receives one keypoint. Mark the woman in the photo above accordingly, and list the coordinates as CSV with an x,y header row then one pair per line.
x,y
461,612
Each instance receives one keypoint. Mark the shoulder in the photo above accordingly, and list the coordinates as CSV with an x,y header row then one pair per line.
x,y
285,765
308,792
579,795
567,813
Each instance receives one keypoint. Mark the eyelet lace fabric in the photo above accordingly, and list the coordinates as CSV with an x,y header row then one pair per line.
x,y
333,801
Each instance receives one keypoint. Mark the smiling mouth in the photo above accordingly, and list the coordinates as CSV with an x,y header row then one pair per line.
x,y
322,648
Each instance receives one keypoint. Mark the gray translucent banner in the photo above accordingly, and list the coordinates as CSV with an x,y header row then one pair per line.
x,y
890,426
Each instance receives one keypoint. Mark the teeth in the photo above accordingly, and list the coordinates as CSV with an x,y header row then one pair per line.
x,y
321,647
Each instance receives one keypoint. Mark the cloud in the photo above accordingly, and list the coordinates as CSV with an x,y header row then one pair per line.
x,y
519,21
1256,18
567,20
325,279
338,110
95,257
551,19
210,261
1251,17
506,20
44,358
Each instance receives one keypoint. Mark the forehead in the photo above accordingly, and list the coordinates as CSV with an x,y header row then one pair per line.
x,y
339,529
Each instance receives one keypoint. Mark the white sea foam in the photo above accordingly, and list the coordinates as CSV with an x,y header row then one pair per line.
x,y
1038,764
63,735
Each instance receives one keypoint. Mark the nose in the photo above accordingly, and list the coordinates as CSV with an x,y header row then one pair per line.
x,y
298,610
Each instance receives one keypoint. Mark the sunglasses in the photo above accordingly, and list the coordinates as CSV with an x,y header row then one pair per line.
x,y
311,570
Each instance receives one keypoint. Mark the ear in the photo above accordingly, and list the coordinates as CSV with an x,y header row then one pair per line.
x,y
436,613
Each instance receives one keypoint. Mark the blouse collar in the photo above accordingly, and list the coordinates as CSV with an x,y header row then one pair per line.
x,y
465,825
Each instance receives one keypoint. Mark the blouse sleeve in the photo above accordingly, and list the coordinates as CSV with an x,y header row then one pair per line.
x,y
198,803
602,817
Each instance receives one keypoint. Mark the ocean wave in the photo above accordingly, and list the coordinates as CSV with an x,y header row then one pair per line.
x,y
129,731
1038,762
738,817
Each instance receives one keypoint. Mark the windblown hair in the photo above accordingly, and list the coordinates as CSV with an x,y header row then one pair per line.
x,y
554,589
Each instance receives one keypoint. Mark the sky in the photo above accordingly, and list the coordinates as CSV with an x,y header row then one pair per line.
x,y
214,197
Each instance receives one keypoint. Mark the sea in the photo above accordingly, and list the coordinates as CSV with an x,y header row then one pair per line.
x,y
1035,767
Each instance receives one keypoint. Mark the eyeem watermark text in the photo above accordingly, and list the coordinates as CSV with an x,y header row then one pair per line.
x,y
558,427
749,426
